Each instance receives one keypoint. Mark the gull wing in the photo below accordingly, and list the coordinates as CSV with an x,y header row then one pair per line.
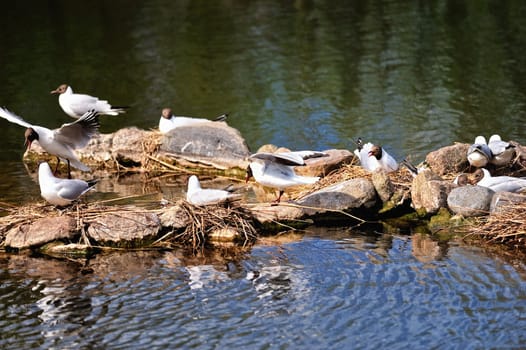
x,y
13,118
288,158
78,133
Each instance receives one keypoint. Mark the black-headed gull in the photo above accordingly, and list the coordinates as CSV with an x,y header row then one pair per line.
x,y
169,121
482,177
63,141
60,192
276,170
76,105
199,196
479,153
374,157
502,152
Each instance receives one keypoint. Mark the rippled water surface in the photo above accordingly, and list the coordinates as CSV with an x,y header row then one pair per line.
x,y
411,75
330,290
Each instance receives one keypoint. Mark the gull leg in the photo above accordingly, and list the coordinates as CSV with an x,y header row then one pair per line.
x,y
279,197
56,168
69,171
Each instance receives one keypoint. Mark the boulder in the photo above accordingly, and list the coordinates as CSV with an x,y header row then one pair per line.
x,y
175,217
346,196
502,200
125,228
322,166
449,159
128,146
41,231
470,201
215,144
429,191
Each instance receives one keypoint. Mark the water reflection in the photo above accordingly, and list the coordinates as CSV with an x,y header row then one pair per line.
x,y
325,288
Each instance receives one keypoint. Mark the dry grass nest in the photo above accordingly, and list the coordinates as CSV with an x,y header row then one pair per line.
x,y
507,226
206,220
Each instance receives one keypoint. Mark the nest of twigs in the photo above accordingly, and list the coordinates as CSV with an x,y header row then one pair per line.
x,y
508,226
204,221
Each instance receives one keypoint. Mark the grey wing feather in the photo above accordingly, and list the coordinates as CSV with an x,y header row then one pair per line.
x,y
310,154
280,158
78,133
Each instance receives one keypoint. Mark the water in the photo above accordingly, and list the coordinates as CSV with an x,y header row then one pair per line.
x,y
323,290
411,75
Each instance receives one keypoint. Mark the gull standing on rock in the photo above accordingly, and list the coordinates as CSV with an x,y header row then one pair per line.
x,y
76,105
276,170
482,177
479,154
169,121
374,157
502,152
199,196
63,141
60,192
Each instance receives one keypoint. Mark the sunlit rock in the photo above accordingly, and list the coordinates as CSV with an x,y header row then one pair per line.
x,y
322,166
449,159
215,144
346,196
383,185
124,228
470,201
41,231
429,191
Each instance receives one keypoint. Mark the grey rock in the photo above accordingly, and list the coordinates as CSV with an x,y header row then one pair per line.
x,y
470,201
429,192
502,200
215,144
124,228
383,185
347,195
322,166
344,196
175,217
41,231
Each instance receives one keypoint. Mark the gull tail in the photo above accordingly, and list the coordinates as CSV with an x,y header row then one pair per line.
x,y
221,118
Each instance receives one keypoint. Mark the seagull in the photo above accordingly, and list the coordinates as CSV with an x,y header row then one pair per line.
x,y
169,121
374,157
502,152
479,154
483,178
62,141
76,105
60,192
276,170
199,196
462,180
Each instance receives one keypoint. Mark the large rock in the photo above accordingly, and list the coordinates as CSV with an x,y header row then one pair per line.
x,y
346,196
450,159
322,166
41,231
429,192
502,200
215,144
125,228
470,200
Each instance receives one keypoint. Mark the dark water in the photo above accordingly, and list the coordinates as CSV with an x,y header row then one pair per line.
x,y
411,75
331,290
